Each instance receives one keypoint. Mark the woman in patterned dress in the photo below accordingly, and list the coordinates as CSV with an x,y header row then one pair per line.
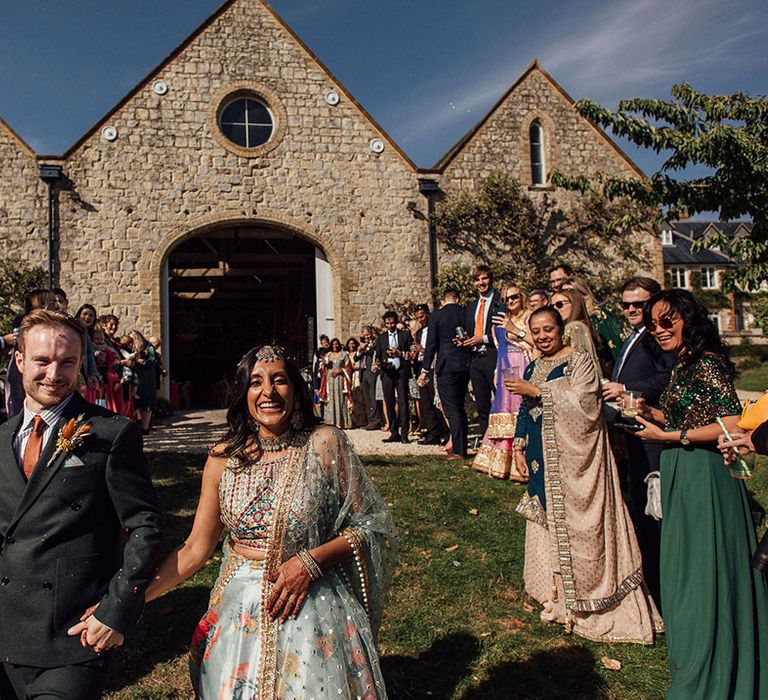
x,y
582,561
715,604
308,555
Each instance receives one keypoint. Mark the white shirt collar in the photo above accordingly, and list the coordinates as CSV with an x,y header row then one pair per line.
x,y
49,415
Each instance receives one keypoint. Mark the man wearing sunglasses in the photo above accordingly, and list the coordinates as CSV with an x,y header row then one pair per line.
x,y
641,366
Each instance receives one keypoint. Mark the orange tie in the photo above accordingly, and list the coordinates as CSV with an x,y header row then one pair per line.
x,y
480,316
33,447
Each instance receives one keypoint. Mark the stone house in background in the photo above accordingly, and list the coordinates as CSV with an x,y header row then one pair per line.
x,y
703,272
239,194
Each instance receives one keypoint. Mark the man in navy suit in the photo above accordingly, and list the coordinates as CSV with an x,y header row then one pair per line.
x,y
393,349
451,369
478,322
437,430
640,366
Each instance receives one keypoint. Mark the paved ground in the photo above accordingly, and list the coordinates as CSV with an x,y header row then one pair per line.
x,y
196,431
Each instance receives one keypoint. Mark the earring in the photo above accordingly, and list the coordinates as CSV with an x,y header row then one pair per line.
x,y
253,424
297,420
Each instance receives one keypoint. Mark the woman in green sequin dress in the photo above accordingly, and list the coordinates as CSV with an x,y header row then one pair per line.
x,y
715,604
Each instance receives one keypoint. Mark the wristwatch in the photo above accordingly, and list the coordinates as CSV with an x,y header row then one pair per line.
x,y
521,334
684,439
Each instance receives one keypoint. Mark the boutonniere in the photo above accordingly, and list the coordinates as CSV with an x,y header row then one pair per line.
x,y
70,437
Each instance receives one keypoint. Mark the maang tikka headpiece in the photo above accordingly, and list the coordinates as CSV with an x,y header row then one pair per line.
x,y
270,353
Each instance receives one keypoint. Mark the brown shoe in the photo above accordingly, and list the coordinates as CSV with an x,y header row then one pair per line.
x,y
452,457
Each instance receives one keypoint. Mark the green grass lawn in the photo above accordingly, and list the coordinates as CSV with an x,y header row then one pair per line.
x,y
753,379
458,623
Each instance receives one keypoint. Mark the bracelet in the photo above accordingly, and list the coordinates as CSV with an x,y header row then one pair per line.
x,y
312,567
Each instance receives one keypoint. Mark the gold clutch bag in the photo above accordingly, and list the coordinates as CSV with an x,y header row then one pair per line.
x,y
754,413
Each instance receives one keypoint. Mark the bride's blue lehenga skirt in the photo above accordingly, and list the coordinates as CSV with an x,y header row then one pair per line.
x,y
327,652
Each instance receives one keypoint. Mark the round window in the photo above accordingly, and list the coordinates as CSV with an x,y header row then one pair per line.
x,y
246,122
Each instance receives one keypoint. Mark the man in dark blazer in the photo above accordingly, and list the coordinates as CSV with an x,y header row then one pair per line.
x,y
79,523
366,356
437,431
479,327
640,366
393,348
451,369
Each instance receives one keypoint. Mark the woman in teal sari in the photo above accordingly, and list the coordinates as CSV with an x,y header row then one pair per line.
x,y
715,604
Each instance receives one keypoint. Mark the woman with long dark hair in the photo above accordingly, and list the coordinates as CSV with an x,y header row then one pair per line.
x,y
715,604
308,554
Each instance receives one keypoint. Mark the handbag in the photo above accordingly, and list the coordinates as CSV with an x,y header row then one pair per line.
x,y
754,413
653,503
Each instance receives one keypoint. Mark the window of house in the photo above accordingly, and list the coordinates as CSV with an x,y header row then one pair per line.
x,y
246,122
666,237
538,173
679,277
715,318
709,278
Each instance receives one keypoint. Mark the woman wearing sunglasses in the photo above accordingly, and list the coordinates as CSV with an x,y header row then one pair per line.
x,y
579,332
582,561
715,604
514,344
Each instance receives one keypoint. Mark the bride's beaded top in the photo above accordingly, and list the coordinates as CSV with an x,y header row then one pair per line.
x,y
247,497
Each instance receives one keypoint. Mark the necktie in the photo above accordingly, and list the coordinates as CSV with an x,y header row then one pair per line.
x,y
393,361
33,447
623,354
480,317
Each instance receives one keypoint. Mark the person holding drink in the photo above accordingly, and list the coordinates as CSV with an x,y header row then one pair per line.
x,y
582,561
514,347
715,604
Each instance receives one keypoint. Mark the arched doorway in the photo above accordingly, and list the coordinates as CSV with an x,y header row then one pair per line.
x,y
232,287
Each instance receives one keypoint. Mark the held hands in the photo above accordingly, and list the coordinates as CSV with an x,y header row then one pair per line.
x,y
470,342
741,440
290,590
423,379
95,634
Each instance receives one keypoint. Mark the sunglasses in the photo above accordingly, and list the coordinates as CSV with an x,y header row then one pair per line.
x,y
665,322
632,304
561,304
512,297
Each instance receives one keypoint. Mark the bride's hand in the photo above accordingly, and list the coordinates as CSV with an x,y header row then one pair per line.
x,y
290,590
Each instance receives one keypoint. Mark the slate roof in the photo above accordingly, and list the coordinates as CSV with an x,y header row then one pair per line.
x,y
684,233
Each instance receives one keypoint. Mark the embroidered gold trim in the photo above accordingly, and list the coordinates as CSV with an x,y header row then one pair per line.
x,y
531,509
625,587
493,461
501,425
275,541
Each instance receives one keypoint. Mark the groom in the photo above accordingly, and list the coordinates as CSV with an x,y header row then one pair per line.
x,y
79,523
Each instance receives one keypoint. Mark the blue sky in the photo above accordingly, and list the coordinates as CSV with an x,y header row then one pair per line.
x,y
426,70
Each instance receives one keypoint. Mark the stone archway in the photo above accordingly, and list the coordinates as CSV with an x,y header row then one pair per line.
x,y
232,282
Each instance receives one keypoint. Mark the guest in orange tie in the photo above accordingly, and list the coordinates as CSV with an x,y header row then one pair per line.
x,y
79,524
483,351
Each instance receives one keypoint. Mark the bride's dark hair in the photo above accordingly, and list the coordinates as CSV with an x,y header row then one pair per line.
x,y
240,429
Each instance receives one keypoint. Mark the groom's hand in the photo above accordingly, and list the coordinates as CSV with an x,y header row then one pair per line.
x,y
95,634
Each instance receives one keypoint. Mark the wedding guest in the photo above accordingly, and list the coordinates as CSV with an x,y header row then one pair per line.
x,y
578,328
715,604
559,274
337,368
369,375
511,334
308,555
392,353
538,298
582,562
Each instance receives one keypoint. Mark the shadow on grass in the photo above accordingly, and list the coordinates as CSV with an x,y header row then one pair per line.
x,y
566,672
163,635
435,673
557,674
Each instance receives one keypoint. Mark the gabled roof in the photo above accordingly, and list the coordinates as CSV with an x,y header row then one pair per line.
x,y
684,233
195,34
5,126
446,160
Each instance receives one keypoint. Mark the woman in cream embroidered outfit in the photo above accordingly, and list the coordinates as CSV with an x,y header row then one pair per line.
x,y
582,562
308,555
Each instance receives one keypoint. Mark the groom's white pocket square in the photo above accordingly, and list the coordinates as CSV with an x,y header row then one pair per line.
x,y
72,461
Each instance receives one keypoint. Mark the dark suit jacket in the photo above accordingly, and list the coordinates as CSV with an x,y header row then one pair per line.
x,y
442,331
404,342
74,536
646,368
469,321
